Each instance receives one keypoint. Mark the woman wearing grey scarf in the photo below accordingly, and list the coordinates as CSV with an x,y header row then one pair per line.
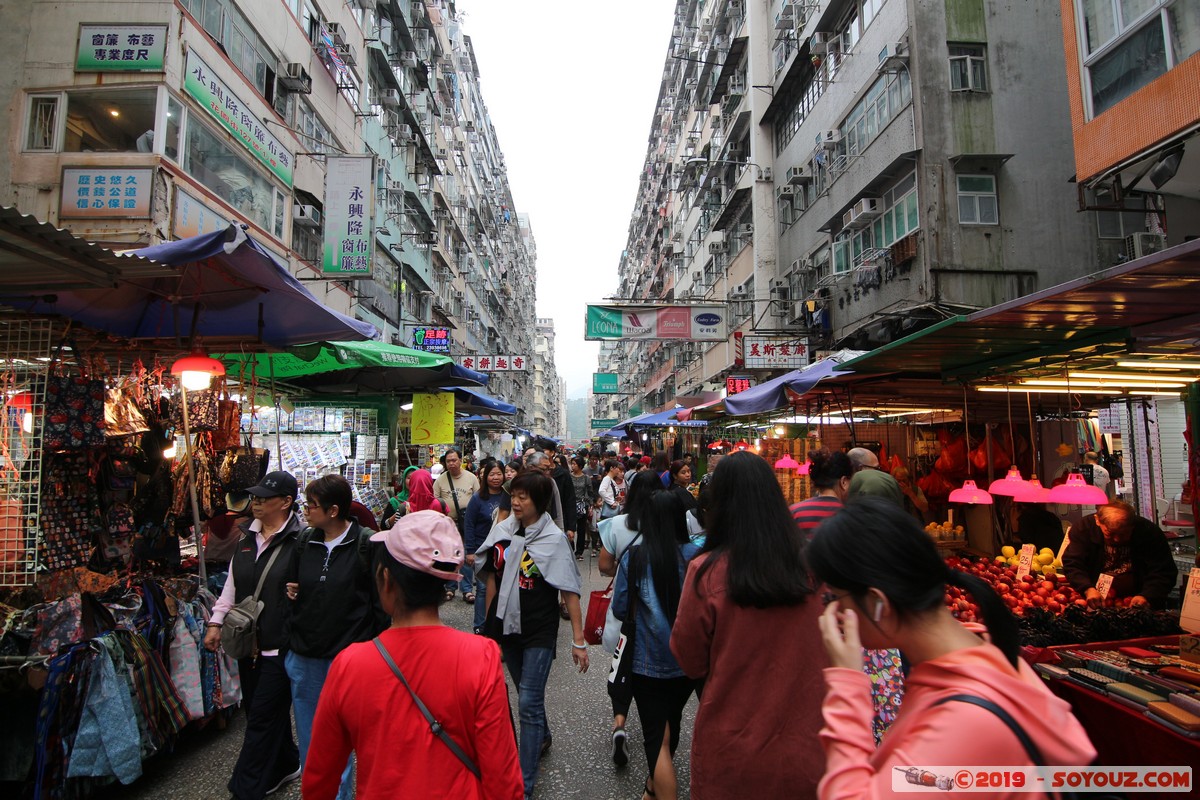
x,y
528,565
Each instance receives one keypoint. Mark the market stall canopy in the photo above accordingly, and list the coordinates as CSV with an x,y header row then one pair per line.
x,y
614,433
354,368
710,410
468,401
663,419
38,258
223,286
775,393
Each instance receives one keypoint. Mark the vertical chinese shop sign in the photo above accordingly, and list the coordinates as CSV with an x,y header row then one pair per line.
x,y
349,215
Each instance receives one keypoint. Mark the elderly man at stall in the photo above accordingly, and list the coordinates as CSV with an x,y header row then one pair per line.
x,y
870,479
1115,541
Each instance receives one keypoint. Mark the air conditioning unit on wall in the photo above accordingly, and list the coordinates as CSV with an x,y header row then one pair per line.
x,y
1143,244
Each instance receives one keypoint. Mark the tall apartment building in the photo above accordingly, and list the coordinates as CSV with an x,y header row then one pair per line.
x,y
134,123
845,172
549,413
1134,82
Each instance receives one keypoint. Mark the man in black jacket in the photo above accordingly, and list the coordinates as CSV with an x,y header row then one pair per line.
x,y
1133,550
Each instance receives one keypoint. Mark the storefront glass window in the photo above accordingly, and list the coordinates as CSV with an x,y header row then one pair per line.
x,y
111,121
174,124
230,177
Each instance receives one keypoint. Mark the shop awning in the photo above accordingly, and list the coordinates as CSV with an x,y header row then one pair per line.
x,y
38,258
709,410
224,287
663,419
469,401
775,392
614,433
1143,304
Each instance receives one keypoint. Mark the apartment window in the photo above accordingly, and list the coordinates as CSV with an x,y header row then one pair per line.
x,y
111,121
1129,43
968,68
977,203
899,217
232,178
174,126
1119,224
871,115
43,123
230,29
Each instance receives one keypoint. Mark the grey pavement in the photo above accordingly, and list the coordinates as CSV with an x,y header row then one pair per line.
x,y
577,766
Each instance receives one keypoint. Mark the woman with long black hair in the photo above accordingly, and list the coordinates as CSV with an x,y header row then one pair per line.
x,y
649,581
886,585
745,625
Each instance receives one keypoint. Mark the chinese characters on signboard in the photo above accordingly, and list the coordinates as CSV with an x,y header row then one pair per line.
x,y
106,193
494,363
432,340
121,48
349,215
227,109
192,217
766,352
737,383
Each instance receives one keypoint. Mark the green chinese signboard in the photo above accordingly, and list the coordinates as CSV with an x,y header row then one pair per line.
x,y
603,424
121,48
202,83
604,382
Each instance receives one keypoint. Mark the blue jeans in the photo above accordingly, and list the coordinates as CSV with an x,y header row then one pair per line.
x,y
466,583
530,669
480,604
307,676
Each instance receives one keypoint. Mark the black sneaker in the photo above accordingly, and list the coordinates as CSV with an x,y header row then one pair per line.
x,y
549,740
284,781
620,753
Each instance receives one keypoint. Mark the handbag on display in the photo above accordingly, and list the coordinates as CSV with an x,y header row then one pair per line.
x,y
228,433
74,411
242,468
155,542
239,631
203,411
122,417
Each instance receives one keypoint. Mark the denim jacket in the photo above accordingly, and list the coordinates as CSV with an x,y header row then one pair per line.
x,y
652,655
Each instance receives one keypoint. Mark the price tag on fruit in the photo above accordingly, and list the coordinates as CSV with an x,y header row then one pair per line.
x,y
1104,584
1025,562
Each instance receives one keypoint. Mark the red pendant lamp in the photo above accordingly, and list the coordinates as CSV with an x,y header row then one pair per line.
x,y
1010,485
970,493
1078,492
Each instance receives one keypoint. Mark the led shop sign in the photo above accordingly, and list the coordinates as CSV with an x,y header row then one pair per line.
x,y
235,116
432,340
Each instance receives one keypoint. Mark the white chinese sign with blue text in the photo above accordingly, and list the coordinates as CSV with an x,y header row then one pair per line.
x,y
105,193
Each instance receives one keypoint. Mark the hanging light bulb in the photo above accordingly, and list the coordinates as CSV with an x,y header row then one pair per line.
x,y
1077,492
970,493
196,371
1009,485
169,450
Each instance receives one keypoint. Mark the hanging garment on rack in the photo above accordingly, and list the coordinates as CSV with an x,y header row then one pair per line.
x,y
58,719
185,663
160,705
107,741
70,512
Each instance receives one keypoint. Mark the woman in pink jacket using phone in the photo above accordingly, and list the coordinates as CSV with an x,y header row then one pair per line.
x,y
886,585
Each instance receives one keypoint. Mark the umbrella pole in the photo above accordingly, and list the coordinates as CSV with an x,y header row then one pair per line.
x,y
201,571
275,402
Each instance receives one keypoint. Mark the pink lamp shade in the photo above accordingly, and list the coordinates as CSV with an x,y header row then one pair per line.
x,y
1032,492
787,462
742,444
803,468
1078,492
1008,486
970,493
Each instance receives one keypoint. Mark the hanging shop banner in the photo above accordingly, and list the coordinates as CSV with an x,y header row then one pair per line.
x,y
349,215
693,323
432,340
121,48
495,363
202,83
191,216
773,352
106,193
604,383
433,418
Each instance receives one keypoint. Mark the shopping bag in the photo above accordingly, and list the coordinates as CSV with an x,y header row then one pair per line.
x,y
597,612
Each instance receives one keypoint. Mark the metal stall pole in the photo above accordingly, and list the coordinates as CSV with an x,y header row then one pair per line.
x,y
1132,449
202,570
1150,448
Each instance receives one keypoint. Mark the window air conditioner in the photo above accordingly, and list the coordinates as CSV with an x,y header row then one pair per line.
x,y
745,230
785,191
735,7
829,139
737,85
396,187
848,218
697,276
306,216
802,264
739,292
294,78
818,43
1143,244
716,248
779,283
391,98
336,33
347,55
867,209
799,176
408,59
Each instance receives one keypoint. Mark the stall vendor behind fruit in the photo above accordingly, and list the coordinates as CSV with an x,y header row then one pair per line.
x,y
1132,549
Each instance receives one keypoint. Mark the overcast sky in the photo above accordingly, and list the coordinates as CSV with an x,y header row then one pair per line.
x,y
571,89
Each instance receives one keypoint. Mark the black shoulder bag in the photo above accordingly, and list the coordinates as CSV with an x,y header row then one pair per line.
x,y
434,725
458,515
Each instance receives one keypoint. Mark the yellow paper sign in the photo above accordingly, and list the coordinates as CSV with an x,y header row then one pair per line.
x,y
433,418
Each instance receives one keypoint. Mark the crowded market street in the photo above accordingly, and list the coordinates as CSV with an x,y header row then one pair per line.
x,y
577,766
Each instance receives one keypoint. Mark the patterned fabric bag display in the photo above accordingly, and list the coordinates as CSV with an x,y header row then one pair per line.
x,y
71,519
122,417
74,417
203,413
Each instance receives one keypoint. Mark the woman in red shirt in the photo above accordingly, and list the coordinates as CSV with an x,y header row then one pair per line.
x,y
365,708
